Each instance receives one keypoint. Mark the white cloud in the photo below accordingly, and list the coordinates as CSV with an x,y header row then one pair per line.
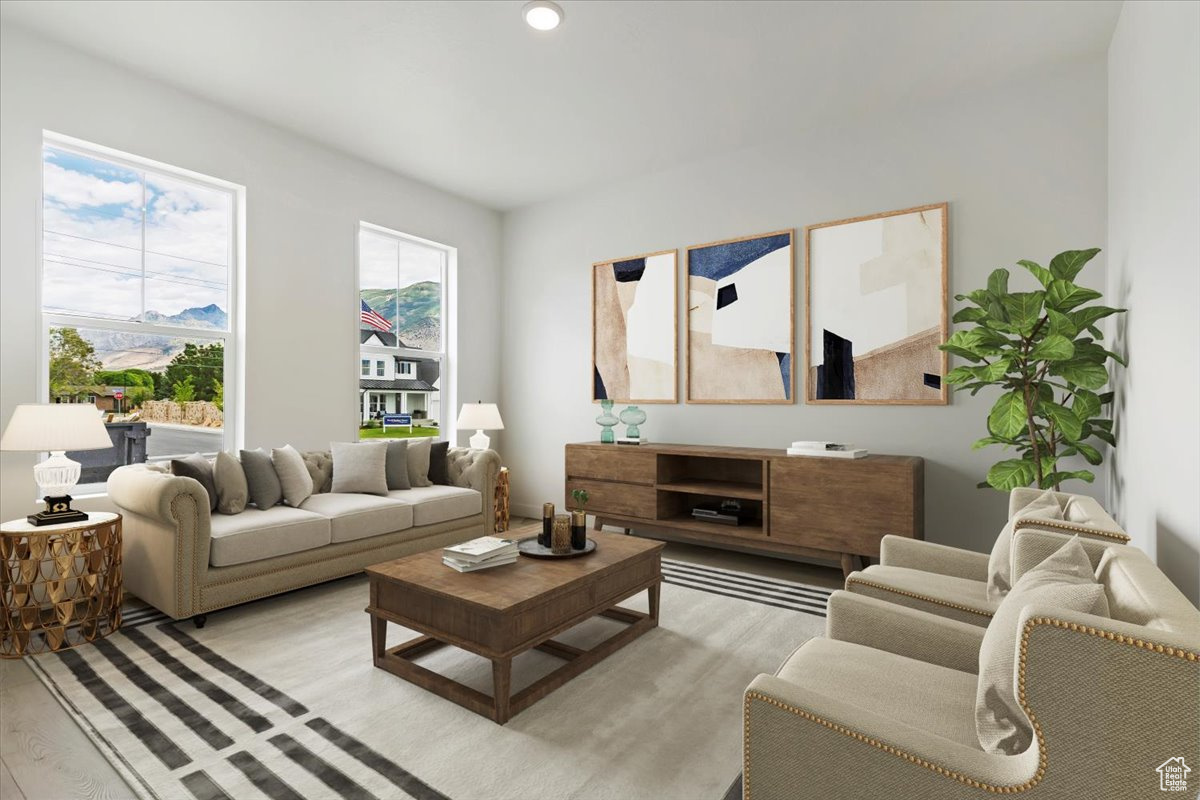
x,y
77,189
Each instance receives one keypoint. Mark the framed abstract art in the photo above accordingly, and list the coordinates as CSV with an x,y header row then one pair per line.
x,y
741,320
635,328
875,303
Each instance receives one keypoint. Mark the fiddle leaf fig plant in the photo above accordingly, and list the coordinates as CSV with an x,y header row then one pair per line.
x,y
1042,350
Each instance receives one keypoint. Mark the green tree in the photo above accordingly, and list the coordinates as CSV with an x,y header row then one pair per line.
x,y
1042,349
128,378
219,396
184,391
73,364
135,396
204,364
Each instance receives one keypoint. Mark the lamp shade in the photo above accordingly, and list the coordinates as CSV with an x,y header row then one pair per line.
x,y
35,427
480,417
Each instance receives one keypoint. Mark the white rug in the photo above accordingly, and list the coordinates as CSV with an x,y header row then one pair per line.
x,y
278,699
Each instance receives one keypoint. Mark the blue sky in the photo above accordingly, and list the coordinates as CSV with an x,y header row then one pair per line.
x,y
93,234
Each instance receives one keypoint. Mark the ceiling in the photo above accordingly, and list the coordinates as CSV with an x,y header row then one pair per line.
x,y
464,96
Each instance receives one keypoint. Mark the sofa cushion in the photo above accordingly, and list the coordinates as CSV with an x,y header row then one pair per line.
x,y
360,467
256,534
933,698
439,468
199,469
294,478
418,462
396,464
1000,579
265,490
230,479
359,516
1065,581
944,595
434,504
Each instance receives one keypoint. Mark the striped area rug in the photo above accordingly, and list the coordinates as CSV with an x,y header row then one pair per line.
x,y
256,706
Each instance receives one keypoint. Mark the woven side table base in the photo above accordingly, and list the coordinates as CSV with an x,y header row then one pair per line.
x,y
502,491
60,586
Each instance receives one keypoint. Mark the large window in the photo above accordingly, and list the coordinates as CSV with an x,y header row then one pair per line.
x,y
137,296
402,320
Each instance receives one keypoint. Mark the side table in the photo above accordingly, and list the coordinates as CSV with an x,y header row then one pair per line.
x,y
60,585
502,490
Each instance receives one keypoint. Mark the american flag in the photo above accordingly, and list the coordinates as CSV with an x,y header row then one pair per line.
x,y
373,318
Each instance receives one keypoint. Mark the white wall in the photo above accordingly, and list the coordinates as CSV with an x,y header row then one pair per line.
x,y
1022,166
1154,270
304,203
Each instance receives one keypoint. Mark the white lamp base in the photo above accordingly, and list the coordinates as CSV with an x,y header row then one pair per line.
x,y
480,441
57,474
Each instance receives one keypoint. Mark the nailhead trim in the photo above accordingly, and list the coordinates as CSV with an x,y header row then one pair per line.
x,y
916,596
1030,624
1067,526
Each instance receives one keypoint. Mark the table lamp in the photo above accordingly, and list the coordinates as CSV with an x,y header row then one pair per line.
x,y
37,427
481,417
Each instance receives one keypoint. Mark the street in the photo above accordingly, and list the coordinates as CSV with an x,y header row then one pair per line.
x,y
174,440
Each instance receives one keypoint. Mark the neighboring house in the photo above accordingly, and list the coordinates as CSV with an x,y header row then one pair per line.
x,y
389,384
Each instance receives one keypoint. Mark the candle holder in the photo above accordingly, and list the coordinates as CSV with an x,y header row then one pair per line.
x,y
578,530
560,538
547,524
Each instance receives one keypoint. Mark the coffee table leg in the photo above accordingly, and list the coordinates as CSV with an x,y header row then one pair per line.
x,y
378,637
501,688
653,591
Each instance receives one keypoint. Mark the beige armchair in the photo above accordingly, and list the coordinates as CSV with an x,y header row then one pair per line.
x,y
952,582
884,705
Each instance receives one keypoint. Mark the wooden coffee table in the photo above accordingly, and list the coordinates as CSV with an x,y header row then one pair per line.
x,y
502,612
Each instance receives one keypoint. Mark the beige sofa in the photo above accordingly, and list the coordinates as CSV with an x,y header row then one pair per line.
x,y
186,561
883,706
952,582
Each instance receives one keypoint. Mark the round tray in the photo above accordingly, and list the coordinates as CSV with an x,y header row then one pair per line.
x,y
531,548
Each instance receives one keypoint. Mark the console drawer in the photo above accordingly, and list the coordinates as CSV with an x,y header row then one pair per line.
x,y
611,462
621,499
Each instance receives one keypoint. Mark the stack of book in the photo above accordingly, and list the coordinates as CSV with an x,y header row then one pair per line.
x,y
481,553
826,450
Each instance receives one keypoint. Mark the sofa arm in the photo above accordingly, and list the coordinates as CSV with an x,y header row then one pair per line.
x,y
801,743
478,470
904,631
901,551
166,536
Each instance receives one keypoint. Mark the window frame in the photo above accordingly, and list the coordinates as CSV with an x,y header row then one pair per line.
x,y
446,356
232,337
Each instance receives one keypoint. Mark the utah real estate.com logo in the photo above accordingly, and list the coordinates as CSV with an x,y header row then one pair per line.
x,y
1173,774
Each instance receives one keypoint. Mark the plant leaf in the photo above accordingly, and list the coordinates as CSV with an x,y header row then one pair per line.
x,y
1007,417
1066,265
1043,275
1062,324
1086,404
979,297
1081,373
1084,317
1065,420
1010,474
1105,437
1055,478
969,314
1024,309
1054,347
1062,295
979,444
998,282
1090,453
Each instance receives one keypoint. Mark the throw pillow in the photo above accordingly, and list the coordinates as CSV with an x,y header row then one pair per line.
x,y
1045,506
439,464
1065,580
397,465
418,462
261,479
200,469
294,480
232,491
360,467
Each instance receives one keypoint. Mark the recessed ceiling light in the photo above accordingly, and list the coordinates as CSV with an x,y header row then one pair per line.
x,y
542,15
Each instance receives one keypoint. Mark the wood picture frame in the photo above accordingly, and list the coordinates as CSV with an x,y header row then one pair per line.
x,y
749,366
607,329
915,350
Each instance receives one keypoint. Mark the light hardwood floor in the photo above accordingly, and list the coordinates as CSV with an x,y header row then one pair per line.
x,y
45,756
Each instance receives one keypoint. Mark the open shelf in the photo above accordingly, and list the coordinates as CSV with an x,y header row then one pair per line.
x,y
732,489
686,522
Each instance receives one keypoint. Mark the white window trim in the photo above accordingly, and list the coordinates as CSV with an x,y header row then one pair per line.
x,y
234,337
447,390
